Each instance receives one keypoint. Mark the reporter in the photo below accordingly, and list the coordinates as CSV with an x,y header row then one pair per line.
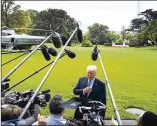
x,y
56,112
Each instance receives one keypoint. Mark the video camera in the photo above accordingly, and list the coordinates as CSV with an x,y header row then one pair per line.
x,y
21,99
91,112
5,85
90,109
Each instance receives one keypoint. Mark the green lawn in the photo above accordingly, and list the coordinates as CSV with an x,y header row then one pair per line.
x,y
132,73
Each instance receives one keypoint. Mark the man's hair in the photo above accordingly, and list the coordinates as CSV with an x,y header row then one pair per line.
x,y
54,104
91,68
9,112
148,119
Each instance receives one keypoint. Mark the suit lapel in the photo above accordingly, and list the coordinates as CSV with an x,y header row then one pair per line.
x,y
94,84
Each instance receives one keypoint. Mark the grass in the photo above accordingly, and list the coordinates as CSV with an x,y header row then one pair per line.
x,y
132,73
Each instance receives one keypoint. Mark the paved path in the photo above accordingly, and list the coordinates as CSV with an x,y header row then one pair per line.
x,y
124,122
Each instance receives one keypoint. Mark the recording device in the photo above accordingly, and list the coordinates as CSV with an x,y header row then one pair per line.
x,y
52,51
5,85
91,112
79,34
90,109
70,53
21,99
94,54
44,50
57,41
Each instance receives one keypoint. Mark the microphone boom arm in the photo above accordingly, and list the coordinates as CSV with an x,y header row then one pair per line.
x,y
45,77
30,75
14,58
18,65
110,92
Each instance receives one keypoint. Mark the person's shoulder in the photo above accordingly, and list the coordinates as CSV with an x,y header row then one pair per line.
x,y
99,81
83,77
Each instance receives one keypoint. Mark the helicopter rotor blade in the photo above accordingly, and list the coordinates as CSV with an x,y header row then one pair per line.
x,y
32,29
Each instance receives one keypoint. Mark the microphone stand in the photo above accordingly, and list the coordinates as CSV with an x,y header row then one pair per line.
x,y
45,77
3,93
18,65
109,89
14,58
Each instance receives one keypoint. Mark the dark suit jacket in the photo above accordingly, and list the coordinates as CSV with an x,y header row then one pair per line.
x,y
98,90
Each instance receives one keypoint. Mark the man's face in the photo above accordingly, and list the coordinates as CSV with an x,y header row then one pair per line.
x,y
91,74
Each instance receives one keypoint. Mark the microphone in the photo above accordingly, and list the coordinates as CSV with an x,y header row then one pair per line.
x,y
70,54
45,53
94,55
52,51
79,34
57,41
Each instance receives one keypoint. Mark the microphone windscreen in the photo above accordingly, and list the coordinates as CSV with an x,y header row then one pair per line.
x,y
94,56
52,51
72,55
79,35
45,52
57,41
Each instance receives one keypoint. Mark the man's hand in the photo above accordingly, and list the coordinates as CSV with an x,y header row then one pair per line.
x,y
41,120
87,90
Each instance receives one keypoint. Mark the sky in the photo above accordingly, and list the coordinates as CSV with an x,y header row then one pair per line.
x,y
114,14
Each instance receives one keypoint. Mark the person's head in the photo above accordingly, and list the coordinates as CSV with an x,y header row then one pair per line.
x,y
54,104
91,71
147,118
10,112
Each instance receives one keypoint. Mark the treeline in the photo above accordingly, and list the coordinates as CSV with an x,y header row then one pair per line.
x,y
14,17
142,30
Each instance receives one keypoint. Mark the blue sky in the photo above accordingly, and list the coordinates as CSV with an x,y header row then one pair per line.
x,y
114,14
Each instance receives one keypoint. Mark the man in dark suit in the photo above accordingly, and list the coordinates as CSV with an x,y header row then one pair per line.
x,y
92,88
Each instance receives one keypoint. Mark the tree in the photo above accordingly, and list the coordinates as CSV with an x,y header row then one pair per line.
x,y
99,33
19,19
33,15
115,37
145,27
7,8
55,18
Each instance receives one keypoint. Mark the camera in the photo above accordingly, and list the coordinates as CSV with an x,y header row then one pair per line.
x,y
91,112
21,99
5,85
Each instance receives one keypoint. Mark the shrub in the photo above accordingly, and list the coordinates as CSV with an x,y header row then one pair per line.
x,y
87,43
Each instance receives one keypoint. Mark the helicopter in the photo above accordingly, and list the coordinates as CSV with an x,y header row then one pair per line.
x,y
10,40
